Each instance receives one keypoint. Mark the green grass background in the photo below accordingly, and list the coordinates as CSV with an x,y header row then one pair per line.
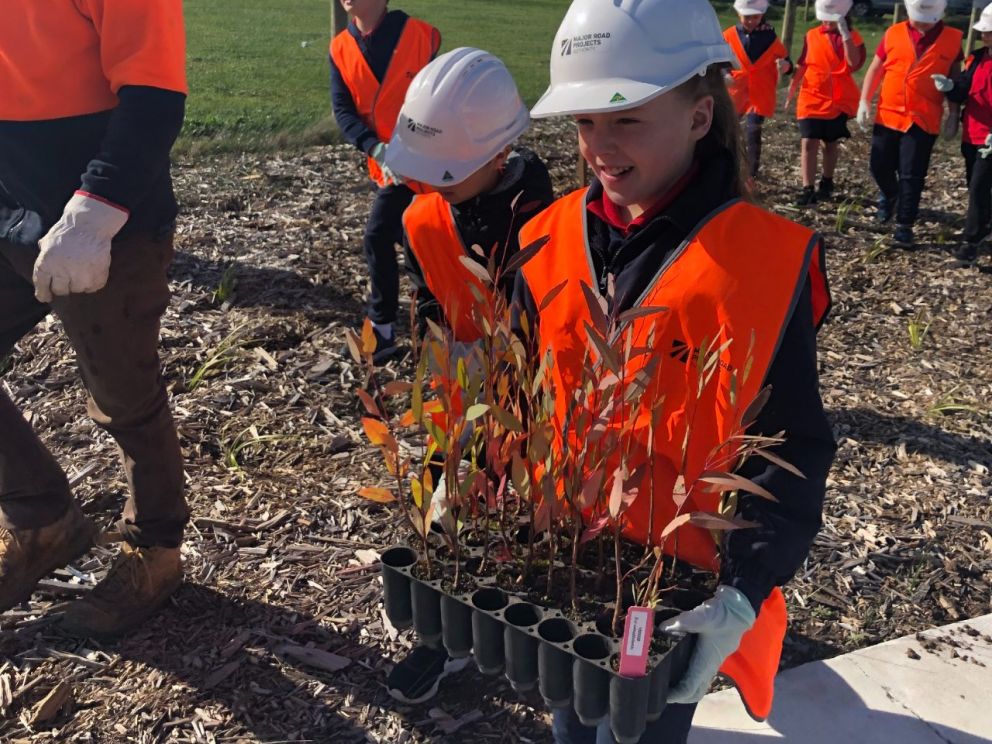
x,y
258,68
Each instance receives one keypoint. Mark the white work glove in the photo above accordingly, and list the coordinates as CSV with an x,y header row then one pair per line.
x,y
950,127
782,65
75,253
987,150
378,154
719,623
845,32
864,115
942,83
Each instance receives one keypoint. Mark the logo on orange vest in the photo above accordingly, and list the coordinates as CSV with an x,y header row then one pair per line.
x,y
683,353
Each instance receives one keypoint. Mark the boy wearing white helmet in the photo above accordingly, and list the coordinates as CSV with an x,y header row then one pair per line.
x,y
909,113
972,89
828,96
666,223
761,59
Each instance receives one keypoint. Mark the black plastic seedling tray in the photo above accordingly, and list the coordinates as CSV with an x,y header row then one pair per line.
x,y
570,663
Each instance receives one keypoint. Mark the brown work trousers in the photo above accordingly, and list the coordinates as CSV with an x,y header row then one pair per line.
x,y
115,334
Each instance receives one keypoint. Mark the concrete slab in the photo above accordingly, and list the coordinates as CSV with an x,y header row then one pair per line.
x,y
937,690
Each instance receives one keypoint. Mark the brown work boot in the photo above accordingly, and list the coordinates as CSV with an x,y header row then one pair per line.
x,y
27,556
139,583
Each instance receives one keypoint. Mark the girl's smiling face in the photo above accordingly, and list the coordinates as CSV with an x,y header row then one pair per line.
x,y
638,154
750,22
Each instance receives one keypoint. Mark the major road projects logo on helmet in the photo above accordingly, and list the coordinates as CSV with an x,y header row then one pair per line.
x,y
926,11
583,43
425,130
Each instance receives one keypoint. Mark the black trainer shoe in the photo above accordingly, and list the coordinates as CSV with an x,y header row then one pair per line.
x,y
903,236
826,189
385,348
966,254
416,678
886,208
806,197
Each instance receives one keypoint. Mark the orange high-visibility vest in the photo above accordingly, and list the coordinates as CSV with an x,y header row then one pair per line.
x,y
434,239
828,88
63,58
752,87
739,273
908,96
379,103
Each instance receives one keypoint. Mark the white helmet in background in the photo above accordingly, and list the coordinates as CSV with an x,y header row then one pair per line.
x,y
984,24
611,55
832,10
459,112
751,7
925,11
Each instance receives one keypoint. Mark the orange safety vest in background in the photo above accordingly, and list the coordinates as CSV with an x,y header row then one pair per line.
x,y
435,242
908,96
739,273
828,88
379,103
62,58
752,87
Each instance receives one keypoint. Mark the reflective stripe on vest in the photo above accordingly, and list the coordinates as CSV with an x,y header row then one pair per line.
x,y
908,96
435,242
379,103
753,86
737,276
828,87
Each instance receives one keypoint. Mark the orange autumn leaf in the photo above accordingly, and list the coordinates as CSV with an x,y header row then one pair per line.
x,y
379,495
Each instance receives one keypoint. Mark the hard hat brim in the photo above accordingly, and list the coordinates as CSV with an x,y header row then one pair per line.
x,y
750,11
829,17
983,27
596,96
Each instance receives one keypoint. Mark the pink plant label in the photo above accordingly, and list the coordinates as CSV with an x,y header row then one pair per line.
x,y
634,649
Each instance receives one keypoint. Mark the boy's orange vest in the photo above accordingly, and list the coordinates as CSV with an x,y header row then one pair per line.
x,y
737,276
828,88
753,86
908,96
435,242
379,103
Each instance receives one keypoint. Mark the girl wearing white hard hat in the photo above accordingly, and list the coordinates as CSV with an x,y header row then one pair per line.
x,y
666,223
972,89
828,96
909,109
761,59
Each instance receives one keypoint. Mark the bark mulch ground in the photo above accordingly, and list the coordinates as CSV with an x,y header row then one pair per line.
x,y
278,635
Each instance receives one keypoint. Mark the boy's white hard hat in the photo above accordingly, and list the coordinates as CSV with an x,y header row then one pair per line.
x,y
925,11
612,55
832,10
751,7
984,24
459,112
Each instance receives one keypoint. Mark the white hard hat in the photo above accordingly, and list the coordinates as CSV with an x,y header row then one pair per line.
x,y
984,24
751,7
832,10
611,55
459,112
925,11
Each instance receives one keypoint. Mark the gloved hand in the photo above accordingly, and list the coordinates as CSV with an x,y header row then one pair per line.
x,y
378,154
75,253
987,150
783,66
942,83
719,623
864,114
842,27
950,127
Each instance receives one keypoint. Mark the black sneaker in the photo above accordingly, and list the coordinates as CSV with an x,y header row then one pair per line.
x,y
903,236
385,348
826,189
966,254
886,208
806,197
416,678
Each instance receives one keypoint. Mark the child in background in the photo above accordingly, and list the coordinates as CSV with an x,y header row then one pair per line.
x,y
665,223
762,58
973,89
828,95
456,131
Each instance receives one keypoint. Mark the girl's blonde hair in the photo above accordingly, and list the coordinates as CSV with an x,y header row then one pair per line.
x,y
725,131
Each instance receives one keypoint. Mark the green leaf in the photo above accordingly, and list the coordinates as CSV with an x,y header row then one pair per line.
x,y
475,411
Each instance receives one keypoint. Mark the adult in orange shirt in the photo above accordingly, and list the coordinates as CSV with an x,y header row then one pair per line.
x,y
373,62
98,88
828,96
909,108
762,58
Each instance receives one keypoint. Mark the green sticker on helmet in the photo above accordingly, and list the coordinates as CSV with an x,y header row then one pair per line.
x,y
617,98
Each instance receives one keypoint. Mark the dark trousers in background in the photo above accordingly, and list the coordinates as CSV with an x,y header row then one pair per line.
x,y
978,223
672,727
899,163
382,233
115,334
752,136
